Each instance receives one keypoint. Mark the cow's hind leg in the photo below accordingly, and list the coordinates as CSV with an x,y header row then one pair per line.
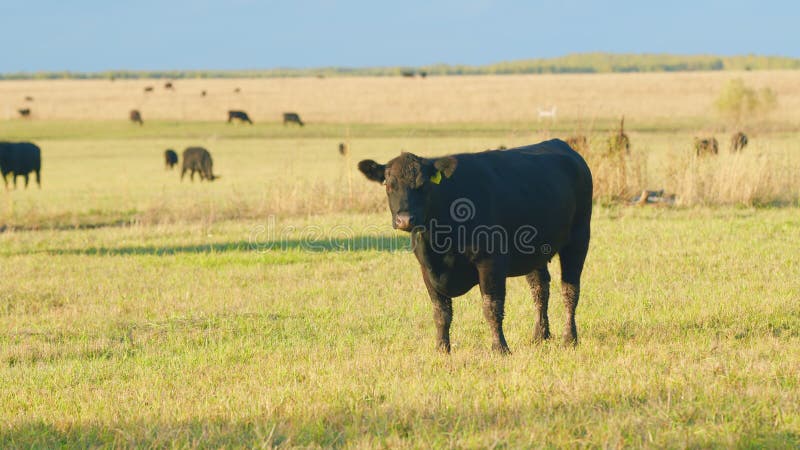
x,y
572,258
539,281
442,315
26,180
492,277
39,178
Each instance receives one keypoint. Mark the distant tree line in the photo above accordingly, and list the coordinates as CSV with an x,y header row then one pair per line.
x,y
574,63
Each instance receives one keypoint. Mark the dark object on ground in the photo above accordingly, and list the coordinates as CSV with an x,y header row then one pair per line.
x,y
148,89
203,93
423,74
168,86
237,90
407,73
170,158
653,197
197,159
24,112
476,219
28,98
738,142
706,146
20,159
342,148
239,115
293,118
136,116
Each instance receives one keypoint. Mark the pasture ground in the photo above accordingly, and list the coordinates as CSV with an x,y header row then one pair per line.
x,y
276,307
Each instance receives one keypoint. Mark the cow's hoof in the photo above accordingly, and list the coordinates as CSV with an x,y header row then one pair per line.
x,y
443,347
570,341
501,349
540,335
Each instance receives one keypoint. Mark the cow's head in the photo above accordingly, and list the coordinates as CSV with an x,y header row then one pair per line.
x,y
409,180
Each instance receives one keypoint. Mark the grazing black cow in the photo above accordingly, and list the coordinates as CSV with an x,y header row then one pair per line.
x,y
738,142
170,158
136,116
197,159
706,146
20,159
293,118
476,219
342,148
168,86
239,115
24,112
148,89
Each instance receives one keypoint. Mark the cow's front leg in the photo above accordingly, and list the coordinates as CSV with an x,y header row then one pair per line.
x,y
442,315
492,276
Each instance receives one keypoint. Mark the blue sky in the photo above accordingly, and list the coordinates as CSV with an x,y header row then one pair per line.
x,y
92,35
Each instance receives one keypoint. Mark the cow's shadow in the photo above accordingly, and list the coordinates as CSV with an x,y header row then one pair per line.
x,y
361,243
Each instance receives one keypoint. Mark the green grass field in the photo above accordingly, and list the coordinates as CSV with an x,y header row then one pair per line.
x,y
276,307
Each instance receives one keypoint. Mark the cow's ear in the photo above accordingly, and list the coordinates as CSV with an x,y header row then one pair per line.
x,y
446,165
372,170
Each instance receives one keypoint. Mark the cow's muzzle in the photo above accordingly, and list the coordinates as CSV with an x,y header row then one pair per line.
x,y
403,221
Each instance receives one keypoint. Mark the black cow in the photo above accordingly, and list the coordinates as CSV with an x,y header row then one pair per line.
x,y
342,148
706,146
168,86
170,158
148,89
476,219
292,117
738,142
136,116
239,115
197,159
20,159
24,112
423,74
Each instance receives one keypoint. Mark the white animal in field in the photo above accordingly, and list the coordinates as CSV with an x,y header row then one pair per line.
x,y
547,113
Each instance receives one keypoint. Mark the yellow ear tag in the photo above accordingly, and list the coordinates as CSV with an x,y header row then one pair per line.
x,y
436,179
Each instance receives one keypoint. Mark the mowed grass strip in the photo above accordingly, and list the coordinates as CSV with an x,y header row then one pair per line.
x,y
191,336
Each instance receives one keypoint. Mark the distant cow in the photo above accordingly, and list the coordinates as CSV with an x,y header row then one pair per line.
x,y
203,93
170,158
578,143
239,115
136,116
479,218
738,142
148,89
168,86
28,98
619,143
237,90
706,146
423,74
197,159
20,159
342,148
407,73
24,112
292,117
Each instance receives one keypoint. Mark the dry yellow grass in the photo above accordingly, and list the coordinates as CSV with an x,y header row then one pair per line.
x,y
479,99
